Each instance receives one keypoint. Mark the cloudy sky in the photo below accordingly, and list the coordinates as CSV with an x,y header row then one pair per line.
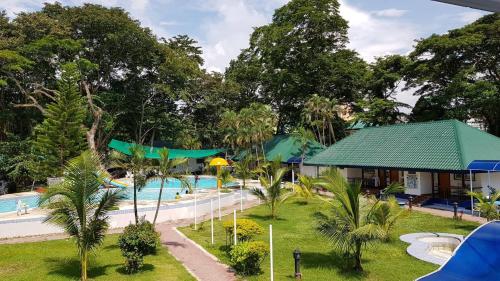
x,y
222,27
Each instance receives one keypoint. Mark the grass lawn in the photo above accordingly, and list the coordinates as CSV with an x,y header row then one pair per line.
x,y
295,228
57,260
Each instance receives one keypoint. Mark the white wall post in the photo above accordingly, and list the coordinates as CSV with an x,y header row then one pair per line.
x,y
271,250
234,225
471,190
212,220
293,175
195,211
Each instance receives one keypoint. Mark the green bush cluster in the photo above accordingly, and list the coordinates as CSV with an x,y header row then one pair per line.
x,y
246,229
137,241
247,257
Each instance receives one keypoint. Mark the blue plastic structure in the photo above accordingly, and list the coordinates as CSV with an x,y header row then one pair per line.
x,y
477,258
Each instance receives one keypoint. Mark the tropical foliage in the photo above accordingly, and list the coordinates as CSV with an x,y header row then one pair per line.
x,y
80,207
305,186
347,227
385,214
243,169
487,206
137,241
272,192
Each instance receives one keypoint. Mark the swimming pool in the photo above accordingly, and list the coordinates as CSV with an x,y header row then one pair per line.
x,y
149,192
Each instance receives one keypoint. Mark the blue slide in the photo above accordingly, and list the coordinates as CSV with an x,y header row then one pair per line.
x,y
476,258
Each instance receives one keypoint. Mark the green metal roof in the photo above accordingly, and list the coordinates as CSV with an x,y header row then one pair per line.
x,y
152,152
287,147
447,145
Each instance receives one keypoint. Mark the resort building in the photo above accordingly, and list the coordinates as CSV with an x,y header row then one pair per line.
x,y
430,159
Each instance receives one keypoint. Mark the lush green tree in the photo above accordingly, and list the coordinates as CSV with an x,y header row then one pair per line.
x,y
385,214
61,136
457,73
80,207
321,114
301,53
304,138
304,187
166,171
271,192
347,227
379,111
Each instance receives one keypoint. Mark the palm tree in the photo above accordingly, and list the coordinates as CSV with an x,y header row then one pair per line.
x,y
273,195
305,186
137,164
487,205
385,214
346,228
78,205
304,137
243,169
165,171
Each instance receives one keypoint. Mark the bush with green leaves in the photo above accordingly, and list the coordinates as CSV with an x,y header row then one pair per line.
x,y
246,229
247,257
137,241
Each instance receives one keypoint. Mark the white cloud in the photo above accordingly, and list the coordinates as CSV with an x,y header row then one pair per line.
x,y
372,36
390,13
228,32
469,17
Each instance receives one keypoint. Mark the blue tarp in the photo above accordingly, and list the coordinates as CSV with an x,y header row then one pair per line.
x,y
484,165
476,259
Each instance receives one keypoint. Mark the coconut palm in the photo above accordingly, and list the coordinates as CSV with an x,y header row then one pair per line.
x,y
166,170
78,205
272,193
243,169
226,177
137,164
346,228
487,205
385,214
303,137
304,188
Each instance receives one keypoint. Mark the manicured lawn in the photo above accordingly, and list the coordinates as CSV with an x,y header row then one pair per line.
x,y
57,260
296,229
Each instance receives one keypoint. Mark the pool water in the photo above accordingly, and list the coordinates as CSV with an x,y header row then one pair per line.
x,y
149,192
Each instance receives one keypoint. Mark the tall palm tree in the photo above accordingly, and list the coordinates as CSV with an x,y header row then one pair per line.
x,y
304,137
78,205
137,164
243,169
166,170
346,228
273,194
487,205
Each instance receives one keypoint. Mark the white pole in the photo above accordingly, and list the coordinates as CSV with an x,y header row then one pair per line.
x,y
471,198
218,194
212,220
234,225
271,249
241,198
195,211
489,179
293,175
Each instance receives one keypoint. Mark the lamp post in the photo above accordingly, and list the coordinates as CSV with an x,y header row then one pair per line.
x,y
455,208
410,202
296,257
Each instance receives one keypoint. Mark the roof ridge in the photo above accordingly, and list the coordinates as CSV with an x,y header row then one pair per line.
x,y
414,123
459,143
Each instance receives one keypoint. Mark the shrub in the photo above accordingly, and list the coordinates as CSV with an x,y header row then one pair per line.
x,y
137,241
246,229
247,257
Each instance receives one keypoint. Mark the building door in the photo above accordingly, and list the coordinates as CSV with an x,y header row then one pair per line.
x,y
382,178
444,185
394,176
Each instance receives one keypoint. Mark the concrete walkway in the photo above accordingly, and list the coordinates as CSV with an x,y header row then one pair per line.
x,y
448,214
200,263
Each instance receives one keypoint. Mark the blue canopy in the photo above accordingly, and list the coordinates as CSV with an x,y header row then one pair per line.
x,y
484,165
294,160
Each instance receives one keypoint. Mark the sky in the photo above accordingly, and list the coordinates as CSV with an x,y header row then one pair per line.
x,y
223,27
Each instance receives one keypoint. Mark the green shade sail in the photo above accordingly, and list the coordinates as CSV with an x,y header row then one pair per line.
x,y
447,145
152,152
288,147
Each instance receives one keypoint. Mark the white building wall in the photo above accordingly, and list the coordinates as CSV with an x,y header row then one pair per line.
x,y
310,171
484,181
417,183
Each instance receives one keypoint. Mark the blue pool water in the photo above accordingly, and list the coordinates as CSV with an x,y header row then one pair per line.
x,y
149,192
